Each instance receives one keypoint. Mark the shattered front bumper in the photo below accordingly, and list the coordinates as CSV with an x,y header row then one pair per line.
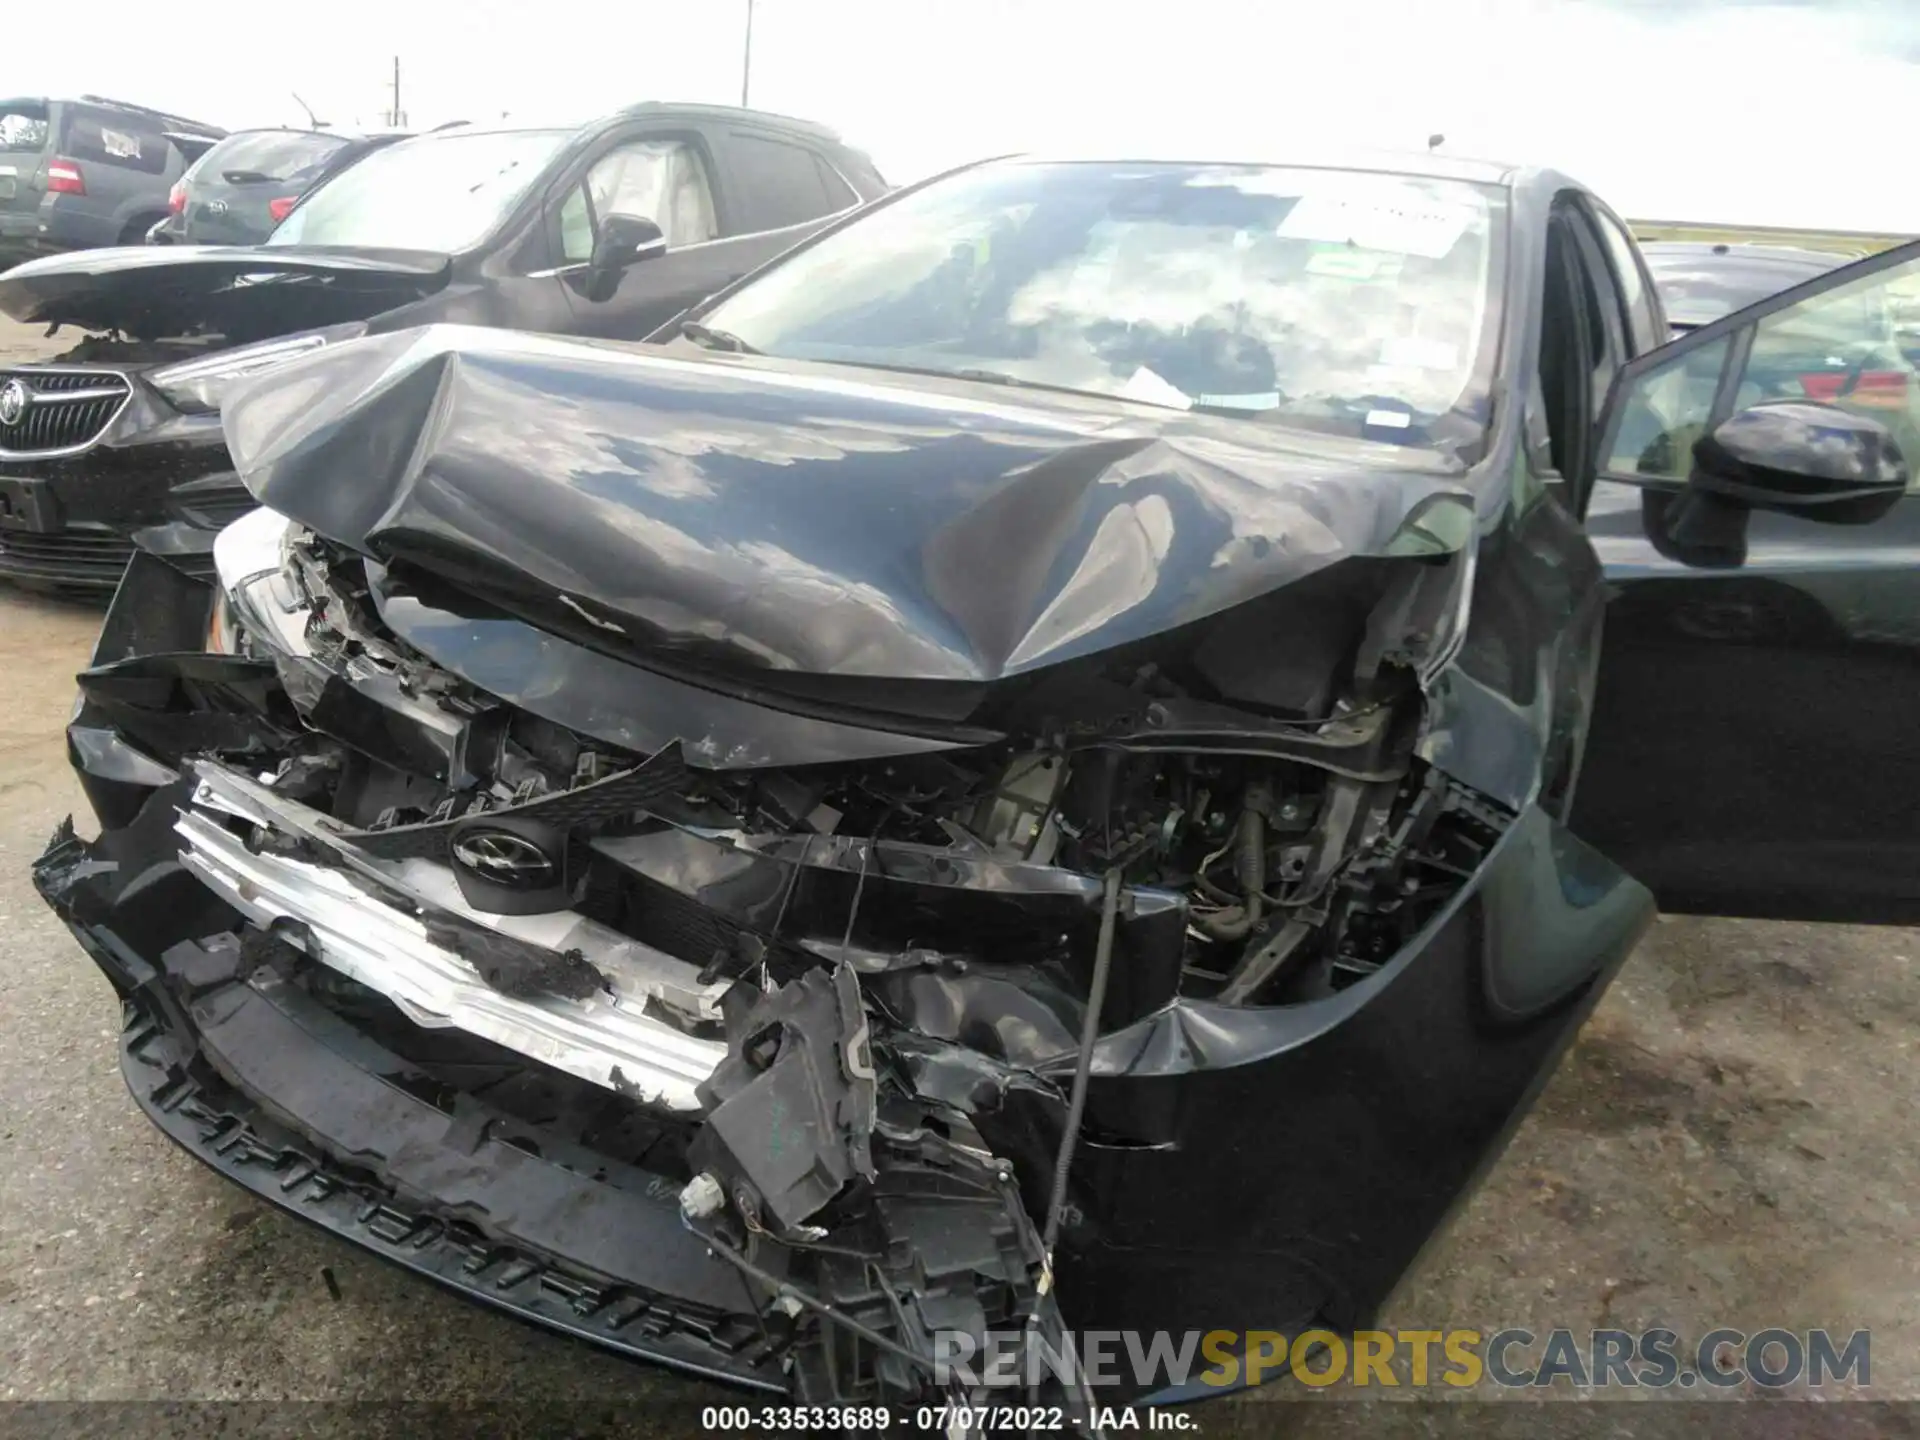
x,y
267,1087
1240,1169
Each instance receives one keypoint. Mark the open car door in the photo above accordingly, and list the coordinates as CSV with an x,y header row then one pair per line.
x,y
1755,742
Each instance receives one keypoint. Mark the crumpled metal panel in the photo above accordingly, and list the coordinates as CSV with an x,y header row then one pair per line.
x,y
758,515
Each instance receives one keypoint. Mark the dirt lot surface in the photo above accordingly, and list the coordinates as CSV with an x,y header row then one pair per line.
x,y
1729,1144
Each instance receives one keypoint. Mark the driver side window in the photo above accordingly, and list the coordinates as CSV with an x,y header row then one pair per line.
x,y
660,180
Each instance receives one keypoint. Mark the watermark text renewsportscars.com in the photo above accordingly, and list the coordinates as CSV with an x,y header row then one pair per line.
x,y
1773,1358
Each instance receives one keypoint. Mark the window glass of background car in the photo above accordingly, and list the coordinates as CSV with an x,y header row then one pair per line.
x,y
442,193
1635,295
1350,303
23,126
839,194
272,154
1700,284
1840,347
783,181
103,138
658,180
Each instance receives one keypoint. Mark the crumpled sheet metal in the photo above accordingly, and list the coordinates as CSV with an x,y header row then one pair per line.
x,y
807,518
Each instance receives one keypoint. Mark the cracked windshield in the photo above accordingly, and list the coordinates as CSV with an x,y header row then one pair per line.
x,y
1344,302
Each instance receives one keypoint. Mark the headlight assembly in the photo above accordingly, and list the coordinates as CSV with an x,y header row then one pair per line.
x,y
223,631
257,609
198,385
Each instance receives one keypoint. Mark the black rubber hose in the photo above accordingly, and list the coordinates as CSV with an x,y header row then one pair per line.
x,y
812,1302
1250,869
1083,1066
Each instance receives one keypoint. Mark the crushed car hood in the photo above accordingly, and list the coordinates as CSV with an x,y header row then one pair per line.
x,y
760,514
248,291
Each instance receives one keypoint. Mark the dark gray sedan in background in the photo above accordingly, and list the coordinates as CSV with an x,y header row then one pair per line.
x,y
1700,282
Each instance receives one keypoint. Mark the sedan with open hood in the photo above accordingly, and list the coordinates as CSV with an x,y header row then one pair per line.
x,y
1037,772
604,229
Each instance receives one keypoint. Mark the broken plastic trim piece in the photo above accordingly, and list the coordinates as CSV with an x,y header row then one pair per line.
x,y
793,1106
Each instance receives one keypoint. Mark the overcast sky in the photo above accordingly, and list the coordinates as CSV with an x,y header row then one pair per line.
x,y
1788,112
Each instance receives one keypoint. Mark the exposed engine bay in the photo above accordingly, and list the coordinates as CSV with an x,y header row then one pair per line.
x,y
850,1006
1298,852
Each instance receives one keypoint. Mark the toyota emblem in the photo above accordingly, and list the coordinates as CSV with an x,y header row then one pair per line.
x,y
14,399
504,858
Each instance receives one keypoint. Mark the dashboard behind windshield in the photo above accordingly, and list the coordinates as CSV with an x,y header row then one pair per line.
x,y
1349,302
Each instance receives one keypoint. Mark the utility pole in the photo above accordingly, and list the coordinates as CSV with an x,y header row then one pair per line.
x,y
746,61
396,118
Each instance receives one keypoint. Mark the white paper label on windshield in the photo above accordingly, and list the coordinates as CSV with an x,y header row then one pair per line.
x,y
1260,400
1390,419
1410,227
1145,385
1343,262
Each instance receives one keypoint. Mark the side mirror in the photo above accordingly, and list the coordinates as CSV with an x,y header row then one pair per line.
x,y
1814,461
625,240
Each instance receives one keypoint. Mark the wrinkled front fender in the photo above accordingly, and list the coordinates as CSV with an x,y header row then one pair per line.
x,y
1270,1169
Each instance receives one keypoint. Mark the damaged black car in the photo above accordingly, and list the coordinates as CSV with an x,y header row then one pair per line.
x,y
1016,782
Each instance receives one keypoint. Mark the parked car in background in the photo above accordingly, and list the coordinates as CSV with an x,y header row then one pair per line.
x,y
605,230
1849,347
248,183
1039,768
1699,282
78,174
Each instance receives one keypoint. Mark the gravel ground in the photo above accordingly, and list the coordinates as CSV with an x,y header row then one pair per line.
x,y
1727,1145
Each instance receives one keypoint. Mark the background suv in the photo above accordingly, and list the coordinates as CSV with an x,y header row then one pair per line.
x,y
75,174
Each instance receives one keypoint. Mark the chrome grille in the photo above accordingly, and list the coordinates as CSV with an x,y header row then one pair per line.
x,y
65,410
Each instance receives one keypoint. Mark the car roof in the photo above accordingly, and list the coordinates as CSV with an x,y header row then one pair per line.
x,y
454,132
1744,254
1422,164
344,135
121,107
650,109
699,110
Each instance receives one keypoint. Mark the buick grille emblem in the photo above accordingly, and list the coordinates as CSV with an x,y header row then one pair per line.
x,y
14,399
504,858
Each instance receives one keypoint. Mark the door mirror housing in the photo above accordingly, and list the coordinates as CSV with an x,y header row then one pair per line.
x,y
625,240
1802,458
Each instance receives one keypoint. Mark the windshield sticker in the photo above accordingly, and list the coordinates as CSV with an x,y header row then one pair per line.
x,y
1412,227
1409,352
1389,419
1343,262
1145,385
120,145
1265,400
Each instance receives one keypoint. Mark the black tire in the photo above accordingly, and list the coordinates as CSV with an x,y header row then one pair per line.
x,y
136,231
